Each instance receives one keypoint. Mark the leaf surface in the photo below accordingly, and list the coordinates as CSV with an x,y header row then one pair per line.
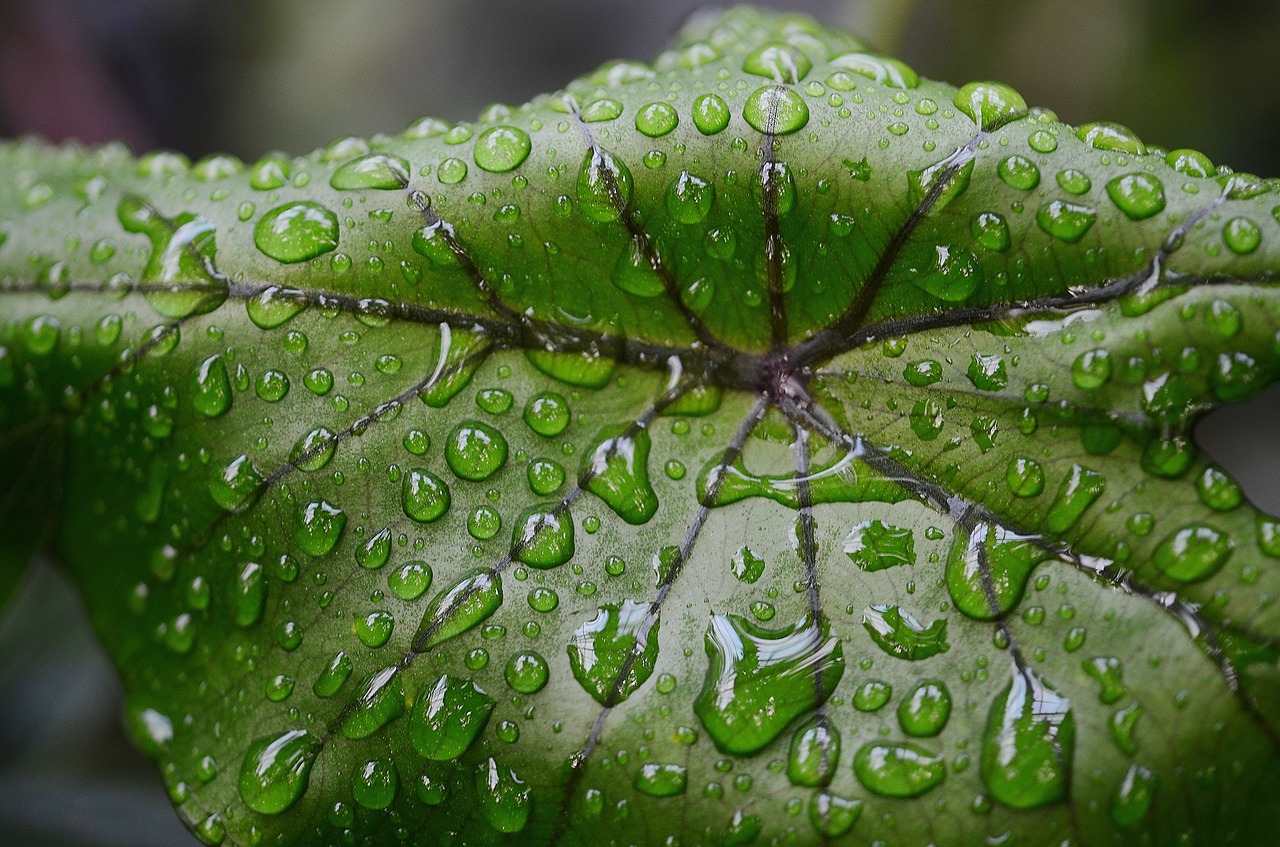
x,y
760,444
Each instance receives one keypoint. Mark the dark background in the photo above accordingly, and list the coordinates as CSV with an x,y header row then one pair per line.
x,y
248,76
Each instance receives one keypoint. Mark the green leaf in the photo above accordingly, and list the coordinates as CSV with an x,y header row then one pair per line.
x,y
763,444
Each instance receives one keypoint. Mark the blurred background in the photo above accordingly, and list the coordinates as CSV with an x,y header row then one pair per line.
x,y
248,76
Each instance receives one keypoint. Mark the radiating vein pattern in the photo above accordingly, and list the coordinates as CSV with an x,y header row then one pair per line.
x,y
763,445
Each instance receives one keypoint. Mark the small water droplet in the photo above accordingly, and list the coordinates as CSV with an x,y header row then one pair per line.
x,y
710,114
318,528
1066,221
424,496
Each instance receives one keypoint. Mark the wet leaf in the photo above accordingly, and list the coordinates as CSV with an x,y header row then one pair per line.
x,y
762,444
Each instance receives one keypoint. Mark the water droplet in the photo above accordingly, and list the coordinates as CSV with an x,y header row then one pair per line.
x,y
661,780
759,680
1028,745
617,472
987,373
1241,235
1218,491
296,232
747,566
1078,491
276,769
504,797
815,752
989,103
1019,172
211,387
1024,476
1193,553
604,186
379,171
501,149
887,71
381,700
527,672
988,568
690,198
1190,163
448,717
782,63
899,634
451,171
613,654
374,629
547,414
710,114
926,708
424,496
1109,673
314,450
635,273
544,539
776,109
991,231
874,546
375,783
236,485
1066,221
600,111
1138,195
1042,141
319,527
657,119
954,275
1112,137
330,680
1091,369
898,769
458,608
1133,797
269,173
248,595
833,816
872,695
545,477
179,278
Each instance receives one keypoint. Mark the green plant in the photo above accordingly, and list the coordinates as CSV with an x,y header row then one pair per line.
x,y
761,444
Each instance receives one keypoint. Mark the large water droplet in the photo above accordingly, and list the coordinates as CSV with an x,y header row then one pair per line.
x,y
424,496
276,770
379,171
273,306
1078,491
925,709
211,387
448,717
989,103
898,769
690,198
760,680
988,568
657,119
235,486
1028,744
1138,195
178,279
887,71
604,186
953,275
614,653
1066,221
248,595
319,527
501,149
296,232
544,539
779,62
710,114
815,752
1193,553
618,473
832,815
1133,797
504,798
475,451
375,783
875,545
899,634
458,608
380,701
661,780
776,109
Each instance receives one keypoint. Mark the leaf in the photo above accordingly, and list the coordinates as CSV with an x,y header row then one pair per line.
x,y
760,444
